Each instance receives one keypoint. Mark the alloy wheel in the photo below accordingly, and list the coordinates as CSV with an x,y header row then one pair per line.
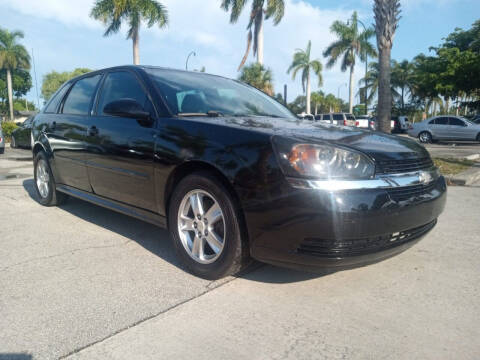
x,y
43,178
424,137
201,226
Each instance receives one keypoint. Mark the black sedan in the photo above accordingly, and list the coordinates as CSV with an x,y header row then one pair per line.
x,y
21,136
232,173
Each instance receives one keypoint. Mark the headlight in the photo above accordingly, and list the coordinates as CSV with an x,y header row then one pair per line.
x,y
322,161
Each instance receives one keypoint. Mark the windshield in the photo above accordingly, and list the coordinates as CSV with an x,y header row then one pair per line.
x,y
197,94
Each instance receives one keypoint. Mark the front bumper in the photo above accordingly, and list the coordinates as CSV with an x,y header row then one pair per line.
x,y
341,228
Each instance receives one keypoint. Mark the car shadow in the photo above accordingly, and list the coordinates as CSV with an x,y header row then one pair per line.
x,y
157,240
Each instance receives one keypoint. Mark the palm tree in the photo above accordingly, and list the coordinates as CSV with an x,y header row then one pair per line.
x,y
259,77
402,78
372,83
350,43
113,12
13,56
387,15
302,62
275,9
317,99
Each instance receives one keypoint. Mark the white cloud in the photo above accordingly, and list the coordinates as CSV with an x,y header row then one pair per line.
x,y
68,12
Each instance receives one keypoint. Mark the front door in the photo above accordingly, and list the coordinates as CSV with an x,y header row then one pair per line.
x,y
120,149
459,130
68,131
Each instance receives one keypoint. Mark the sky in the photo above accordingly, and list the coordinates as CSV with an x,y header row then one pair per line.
x,y
64,37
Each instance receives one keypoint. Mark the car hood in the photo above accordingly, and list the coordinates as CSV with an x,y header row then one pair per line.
x,y
377,145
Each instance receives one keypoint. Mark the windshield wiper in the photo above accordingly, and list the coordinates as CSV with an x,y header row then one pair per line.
x,y
210,113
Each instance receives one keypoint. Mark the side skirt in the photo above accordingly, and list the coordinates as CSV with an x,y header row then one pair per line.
x,y
140,214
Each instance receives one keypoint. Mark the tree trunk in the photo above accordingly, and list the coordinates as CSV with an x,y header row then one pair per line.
x,y
447,105
135,40
260,42
403,103
308,93
316,108
384,108
10,95
350,96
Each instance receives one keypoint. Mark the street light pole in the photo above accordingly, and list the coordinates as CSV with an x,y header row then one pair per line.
x,y
188,57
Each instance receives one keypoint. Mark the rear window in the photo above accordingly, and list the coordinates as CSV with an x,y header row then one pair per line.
x,y
350,117
80,97
56,99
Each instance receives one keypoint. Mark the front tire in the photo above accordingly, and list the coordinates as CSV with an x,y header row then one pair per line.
x,y
205,227
478,137
425,137
45,182
13,143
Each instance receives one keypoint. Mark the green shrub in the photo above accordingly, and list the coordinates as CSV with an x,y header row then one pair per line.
x,y
7,128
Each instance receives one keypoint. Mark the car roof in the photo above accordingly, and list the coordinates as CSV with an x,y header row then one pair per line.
x,y
142,68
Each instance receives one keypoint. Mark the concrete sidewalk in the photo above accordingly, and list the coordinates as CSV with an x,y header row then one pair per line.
x,y
422,304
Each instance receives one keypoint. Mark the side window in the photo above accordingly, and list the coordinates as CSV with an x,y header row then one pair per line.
x,y
80,97
456,122
121,85
55,101
441,121
337,116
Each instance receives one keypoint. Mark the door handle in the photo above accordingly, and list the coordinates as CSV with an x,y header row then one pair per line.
x,y
53,126
92,131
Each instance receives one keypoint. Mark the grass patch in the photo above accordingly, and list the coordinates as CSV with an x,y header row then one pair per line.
x,y
449,166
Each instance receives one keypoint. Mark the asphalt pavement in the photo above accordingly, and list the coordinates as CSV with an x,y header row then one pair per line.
x,y
83,282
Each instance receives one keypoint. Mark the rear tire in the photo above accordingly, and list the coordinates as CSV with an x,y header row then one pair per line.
x,y
208,237
45,182
425,137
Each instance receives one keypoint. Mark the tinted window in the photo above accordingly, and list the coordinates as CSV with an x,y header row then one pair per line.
x,y
121,85
441,121
456,122
56,99
350,117
337,116
195,94
80,97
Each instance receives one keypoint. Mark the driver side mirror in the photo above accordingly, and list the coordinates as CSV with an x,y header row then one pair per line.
x,y
128,108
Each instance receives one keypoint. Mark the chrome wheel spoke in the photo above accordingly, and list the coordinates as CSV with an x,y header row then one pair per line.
x,y
187,224
214,241
213,214
196,204
197,247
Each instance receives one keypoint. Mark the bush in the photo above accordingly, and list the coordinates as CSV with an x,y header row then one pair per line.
x,y
7,128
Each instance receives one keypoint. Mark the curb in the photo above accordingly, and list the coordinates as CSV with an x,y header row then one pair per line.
x,y
465,178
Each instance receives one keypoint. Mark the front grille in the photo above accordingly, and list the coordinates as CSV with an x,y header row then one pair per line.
x,y
409,192
403,166
361,246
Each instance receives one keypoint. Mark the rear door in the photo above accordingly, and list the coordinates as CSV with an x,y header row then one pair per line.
x,y
120,149
67,133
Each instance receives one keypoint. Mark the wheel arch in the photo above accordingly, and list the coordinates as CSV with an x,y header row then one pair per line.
x,y
194,166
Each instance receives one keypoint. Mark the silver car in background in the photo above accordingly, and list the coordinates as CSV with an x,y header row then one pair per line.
x,y
2,142
445,127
